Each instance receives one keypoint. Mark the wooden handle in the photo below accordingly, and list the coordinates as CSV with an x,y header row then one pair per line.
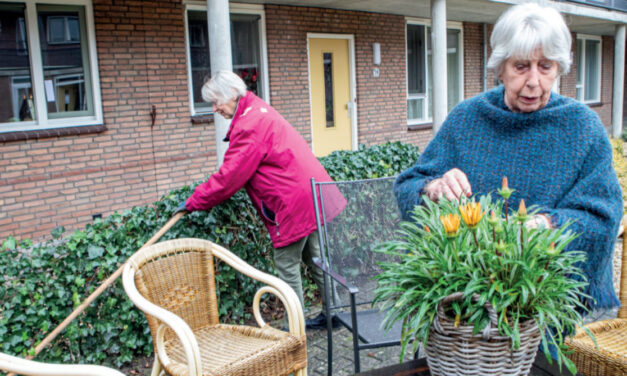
x,y
100,289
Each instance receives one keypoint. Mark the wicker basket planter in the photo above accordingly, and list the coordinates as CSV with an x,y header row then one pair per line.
x,y
455,351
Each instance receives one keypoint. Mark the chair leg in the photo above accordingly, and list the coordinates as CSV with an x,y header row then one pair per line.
x,y
156,367
329,325
355,333
301,372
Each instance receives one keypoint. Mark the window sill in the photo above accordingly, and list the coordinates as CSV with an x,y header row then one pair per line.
x,y
52,132
594,104
202,119
420,127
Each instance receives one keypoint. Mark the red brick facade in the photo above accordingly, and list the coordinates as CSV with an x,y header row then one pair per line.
x,y
381,101
65,180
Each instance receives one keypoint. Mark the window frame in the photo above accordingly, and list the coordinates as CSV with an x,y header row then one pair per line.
x,y
43,121
582,53
237,8
427,119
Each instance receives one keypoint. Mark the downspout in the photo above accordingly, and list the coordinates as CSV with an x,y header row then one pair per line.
x,y
438,39
619,77
484,57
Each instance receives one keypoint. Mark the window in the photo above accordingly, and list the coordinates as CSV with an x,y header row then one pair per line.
x,y
419,68
588,69
47,66
246,48
62,29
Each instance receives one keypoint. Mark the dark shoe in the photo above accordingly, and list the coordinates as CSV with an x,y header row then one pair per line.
x,y
320,322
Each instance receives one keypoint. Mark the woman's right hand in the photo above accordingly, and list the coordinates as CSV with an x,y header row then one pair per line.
x,y
452,185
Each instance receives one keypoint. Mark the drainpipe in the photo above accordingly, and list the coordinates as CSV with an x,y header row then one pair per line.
x,y
619,77
438,42
219,23
485,58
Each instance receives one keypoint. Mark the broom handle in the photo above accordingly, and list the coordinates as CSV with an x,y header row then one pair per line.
x,y
101,288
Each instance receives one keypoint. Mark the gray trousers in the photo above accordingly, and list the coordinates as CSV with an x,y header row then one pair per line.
x,y
287,262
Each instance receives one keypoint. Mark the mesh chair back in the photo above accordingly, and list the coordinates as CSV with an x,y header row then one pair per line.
x,y
370,218
181,281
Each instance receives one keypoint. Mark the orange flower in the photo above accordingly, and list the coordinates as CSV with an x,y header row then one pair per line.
x,y
427,229
451,223
504,183
471,213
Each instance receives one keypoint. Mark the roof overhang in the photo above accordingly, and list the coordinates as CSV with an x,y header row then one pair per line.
x,y
580,18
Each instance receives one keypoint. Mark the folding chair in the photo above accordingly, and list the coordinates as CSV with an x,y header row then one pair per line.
x,y
347,242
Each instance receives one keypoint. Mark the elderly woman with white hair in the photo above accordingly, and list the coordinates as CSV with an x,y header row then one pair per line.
x,y
273,162
554,150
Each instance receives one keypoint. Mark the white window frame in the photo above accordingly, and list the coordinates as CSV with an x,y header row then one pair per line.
x,y
427,24
37,75
582,86
263,64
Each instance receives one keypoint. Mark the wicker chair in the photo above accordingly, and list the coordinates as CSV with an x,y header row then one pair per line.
x,y
173,283
610,357
9,363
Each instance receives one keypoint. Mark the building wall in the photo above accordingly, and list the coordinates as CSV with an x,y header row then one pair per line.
x,y
381,101
64,181
50,181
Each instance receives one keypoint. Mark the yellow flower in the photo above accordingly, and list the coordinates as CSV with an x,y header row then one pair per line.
x,y
451,223
471,213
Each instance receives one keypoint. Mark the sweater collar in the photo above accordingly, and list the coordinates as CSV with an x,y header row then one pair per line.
x,y
492,104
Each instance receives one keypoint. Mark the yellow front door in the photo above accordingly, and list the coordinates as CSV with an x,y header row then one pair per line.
x,y
330,95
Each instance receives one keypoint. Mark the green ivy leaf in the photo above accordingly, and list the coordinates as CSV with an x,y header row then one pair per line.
x,y
94,251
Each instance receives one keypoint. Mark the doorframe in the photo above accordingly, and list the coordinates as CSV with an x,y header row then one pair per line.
x,y
352,83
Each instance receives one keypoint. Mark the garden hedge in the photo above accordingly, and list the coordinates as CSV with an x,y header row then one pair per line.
x,y
43,283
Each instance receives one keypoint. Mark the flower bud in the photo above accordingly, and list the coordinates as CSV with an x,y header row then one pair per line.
x,y
552,251
505,190
522,211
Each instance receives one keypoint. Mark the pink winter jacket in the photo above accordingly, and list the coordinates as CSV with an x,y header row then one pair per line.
x,y
268,157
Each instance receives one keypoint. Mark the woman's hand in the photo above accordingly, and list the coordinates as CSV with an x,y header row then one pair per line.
x,y
452,185
539,220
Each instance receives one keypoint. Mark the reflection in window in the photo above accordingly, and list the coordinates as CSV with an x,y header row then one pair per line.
x,y
65,61
327,61
15,76
245,49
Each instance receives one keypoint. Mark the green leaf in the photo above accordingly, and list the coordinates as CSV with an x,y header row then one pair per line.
x,y
94,251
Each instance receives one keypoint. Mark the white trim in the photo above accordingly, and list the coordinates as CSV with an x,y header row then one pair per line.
x,y
234,8
352,83
37,75
584,38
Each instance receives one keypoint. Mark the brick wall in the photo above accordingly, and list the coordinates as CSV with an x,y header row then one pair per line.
x,y
63,181
381,101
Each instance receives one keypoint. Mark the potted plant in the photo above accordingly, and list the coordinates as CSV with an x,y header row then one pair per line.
x,y
481,289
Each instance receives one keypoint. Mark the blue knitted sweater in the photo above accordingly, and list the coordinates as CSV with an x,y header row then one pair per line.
x,y
558,158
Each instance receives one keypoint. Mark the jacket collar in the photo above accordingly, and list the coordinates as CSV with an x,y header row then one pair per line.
x,y
242,104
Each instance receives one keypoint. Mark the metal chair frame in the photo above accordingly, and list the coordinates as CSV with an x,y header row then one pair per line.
x,y
353,290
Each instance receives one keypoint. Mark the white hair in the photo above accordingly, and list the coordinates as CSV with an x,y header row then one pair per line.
x,y
223,87
525,27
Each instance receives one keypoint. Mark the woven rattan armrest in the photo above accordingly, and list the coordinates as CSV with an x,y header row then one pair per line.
x,y
21,366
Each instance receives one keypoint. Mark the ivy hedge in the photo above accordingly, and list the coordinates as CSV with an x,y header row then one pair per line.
x,y
43,283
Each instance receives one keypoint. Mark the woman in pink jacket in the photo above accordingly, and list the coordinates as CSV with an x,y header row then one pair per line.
x,y
271,160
